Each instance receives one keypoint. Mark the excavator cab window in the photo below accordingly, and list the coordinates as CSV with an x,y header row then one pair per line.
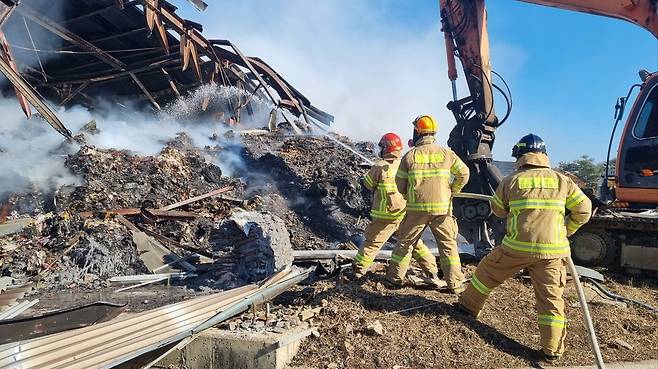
x,y
639,148
647,122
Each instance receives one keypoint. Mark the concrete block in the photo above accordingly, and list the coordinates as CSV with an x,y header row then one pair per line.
x,y
217,348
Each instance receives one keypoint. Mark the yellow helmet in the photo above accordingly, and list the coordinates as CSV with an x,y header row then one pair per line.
x,y
425,124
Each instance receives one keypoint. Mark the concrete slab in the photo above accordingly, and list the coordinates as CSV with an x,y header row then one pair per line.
x,y
217,348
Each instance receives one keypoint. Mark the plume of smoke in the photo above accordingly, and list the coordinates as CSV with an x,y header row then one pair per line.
x,y
32,154
29,155
348,59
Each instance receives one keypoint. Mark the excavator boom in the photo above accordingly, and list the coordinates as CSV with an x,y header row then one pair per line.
x,y
464,23
640,12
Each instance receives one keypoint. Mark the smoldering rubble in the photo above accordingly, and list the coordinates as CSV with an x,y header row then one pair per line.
x,y
74,240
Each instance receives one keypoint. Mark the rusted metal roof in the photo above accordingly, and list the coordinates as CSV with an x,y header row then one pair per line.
x,y
111,343
139,51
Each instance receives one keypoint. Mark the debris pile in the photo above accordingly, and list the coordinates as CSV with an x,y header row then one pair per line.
x,y
312,183
129,214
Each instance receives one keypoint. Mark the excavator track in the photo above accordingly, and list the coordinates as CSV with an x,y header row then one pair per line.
x,y
618,238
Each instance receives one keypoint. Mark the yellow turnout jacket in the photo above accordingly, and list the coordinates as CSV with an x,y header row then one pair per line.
x,y
425,177
542,207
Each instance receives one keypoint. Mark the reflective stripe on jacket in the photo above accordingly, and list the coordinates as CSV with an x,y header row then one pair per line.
x,y
388,203
425,174
542,207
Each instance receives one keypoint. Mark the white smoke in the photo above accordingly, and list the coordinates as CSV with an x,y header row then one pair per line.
x,y
32,154
345,57
372,68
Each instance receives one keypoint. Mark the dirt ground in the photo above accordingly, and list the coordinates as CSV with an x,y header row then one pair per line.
x,y
435,334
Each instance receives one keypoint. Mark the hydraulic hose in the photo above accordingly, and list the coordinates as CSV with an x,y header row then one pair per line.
x,y
619,297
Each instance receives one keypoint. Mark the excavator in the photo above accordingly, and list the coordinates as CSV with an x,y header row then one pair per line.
x,y
623,231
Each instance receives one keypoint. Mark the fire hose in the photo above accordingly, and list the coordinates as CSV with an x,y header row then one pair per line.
x,y
579,288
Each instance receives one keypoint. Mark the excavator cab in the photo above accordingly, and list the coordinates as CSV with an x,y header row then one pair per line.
x,y
637,158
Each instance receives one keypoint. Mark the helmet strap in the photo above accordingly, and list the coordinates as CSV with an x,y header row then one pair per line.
x,y
417,137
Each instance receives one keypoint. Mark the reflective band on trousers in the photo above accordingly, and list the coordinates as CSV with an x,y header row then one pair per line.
x,y
537,248
450,260
397,259
422,252
387,216
538,182
575,199
535,204
479,286
362,260
552,320
420,158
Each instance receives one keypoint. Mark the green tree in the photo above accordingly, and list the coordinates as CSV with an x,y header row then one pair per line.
x,y
584,168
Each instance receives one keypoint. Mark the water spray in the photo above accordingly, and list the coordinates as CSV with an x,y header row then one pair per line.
x,y
327,134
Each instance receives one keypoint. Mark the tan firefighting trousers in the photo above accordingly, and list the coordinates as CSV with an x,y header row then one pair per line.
x,y
377,233
548,280
444,228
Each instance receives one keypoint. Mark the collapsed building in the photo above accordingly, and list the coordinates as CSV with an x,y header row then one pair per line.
x,y
221,221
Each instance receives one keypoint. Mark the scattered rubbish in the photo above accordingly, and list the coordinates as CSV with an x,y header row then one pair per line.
x,y
375,327
309,313
618,342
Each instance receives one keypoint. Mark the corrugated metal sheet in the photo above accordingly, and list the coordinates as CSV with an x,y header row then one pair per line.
x,y
114,342
9,296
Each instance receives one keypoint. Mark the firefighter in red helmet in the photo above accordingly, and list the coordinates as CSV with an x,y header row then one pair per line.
x,y
387,210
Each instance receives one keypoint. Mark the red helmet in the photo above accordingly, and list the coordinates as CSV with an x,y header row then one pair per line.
x,y
390,142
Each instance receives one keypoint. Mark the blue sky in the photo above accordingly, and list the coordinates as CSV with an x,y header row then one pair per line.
x,y
376,64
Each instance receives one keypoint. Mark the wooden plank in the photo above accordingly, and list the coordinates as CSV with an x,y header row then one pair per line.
x,y
197,198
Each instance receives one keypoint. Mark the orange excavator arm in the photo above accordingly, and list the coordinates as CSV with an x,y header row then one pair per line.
x,y
639,12
464,23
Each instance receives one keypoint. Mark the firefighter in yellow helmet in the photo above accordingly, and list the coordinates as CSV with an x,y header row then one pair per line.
x,y
543,208
387,211
424,178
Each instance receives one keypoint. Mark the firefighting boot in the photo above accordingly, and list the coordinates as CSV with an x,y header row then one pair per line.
x,y
465,310
549,359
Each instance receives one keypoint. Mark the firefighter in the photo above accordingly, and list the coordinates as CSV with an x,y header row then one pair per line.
x,y
387,211
535,200
424,178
